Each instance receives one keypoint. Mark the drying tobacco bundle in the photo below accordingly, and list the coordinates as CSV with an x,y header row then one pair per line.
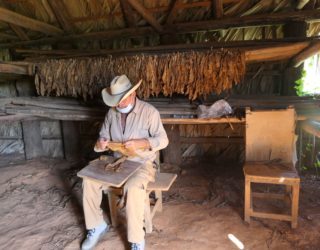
x,y
193,74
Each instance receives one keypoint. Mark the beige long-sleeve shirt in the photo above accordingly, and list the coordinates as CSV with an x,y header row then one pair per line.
x,y
143,122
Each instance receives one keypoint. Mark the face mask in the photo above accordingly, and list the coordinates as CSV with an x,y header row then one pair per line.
x,y
126,109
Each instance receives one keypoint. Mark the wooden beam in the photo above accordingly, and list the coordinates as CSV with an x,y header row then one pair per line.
x,y
8,36
16,69
246,21
19,31
313,49
255,50
61,14
217,6
145,14
103,35
275,53
128,13
27,22
224,23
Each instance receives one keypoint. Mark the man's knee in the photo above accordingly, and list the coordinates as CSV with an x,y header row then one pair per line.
x,y
135,184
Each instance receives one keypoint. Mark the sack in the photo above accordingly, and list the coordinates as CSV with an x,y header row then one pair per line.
x,y
218,109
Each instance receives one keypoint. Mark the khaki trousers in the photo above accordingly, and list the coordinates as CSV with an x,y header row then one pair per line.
x,y
135,193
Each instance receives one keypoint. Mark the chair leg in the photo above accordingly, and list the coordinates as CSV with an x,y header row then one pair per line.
x,y
288,195
247,200
295,205
112,199
158,195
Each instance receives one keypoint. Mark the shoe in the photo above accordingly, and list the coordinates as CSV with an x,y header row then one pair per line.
x,y
138,246
93,236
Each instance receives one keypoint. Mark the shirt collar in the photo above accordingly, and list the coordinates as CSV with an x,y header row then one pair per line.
x,y
136,106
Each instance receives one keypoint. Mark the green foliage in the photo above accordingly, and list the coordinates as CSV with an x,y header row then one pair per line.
x,y
299,84
317,164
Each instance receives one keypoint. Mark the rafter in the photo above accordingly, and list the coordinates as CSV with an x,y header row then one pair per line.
x,y
217,6
313,49
127,13
19,31
61,14
145,14
27,22
173,11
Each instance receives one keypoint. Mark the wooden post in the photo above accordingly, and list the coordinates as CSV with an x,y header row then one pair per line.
x,y
31,129
172,154
71,141
292,29
32,139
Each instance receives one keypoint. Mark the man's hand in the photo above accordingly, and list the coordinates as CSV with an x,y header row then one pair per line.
x,y
101,144
134,145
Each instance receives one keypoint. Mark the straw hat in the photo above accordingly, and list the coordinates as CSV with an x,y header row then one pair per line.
x,y
120,88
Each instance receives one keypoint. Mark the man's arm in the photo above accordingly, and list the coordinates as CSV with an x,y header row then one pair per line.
x,y
158,137
104,135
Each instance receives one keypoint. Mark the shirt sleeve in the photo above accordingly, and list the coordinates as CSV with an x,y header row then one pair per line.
x,y
105,129
158,137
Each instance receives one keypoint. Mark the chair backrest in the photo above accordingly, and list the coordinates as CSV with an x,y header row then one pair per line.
x,y
270,135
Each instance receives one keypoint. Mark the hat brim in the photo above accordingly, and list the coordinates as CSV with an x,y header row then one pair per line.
x,y
114,100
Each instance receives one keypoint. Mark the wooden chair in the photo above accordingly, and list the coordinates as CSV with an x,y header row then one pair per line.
x,y
162,183
270,138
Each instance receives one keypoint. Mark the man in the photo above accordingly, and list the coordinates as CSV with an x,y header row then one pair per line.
x,y
138,126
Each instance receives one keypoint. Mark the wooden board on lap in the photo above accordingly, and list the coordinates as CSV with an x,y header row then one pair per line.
x,y
96,171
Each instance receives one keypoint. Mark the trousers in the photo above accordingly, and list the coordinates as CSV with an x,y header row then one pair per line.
x,y
135,195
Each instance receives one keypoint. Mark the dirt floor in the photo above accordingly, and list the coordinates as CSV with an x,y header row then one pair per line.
x,y
41,209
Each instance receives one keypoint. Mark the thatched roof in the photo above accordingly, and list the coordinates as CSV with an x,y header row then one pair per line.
x,y
101,24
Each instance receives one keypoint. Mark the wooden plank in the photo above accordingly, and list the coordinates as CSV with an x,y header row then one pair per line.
x,y
204,140
163,182
312,49
269,195
271,216
172,153
28,23
71,140
145,14
96,171
201,121
11,68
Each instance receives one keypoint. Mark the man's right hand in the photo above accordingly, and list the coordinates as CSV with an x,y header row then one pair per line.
x,y
101,144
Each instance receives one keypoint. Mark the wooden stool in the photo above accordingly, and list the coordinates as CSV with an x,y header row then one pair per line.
x,y
272,173
162,182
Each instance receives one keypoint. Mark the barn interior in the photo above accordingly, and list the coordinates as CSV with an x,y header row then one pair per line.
x,y
257,55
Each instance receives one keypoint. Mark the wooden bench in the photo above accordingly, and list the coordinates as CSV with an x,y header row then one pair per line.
x,y
162,183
